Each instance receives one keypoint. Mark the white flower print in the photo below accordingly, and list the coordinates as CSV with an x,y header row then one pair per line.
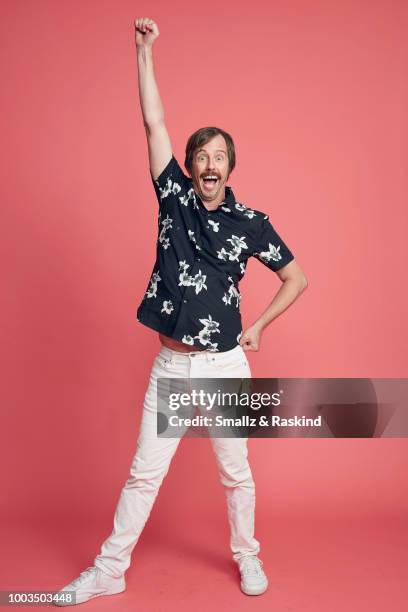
x,y
170,187
185,279
189,197
167,307
197,281
152,290
242,267
272,253
166,224
204,335
234,253
232,293
237,242
193,239
215,225
210,324
222,254
248,212
225,209
240,207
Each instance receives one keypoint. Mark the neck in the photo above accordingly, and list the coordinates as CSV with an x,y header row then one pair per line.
x,y
214,204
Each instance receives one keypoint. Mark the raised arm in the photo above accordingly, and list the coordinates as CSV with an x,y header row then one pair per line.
x,y
158,141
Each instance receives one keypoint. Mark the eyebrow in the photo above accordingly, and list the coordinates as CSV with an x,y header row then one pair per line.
x,y
204,151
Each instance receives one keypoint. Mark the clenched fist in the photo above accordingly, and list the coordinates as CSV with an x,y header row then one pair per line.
x,y
146,32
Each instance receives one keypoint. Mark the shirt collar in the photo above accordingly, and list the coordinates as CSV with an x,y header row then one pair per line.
x,y
229,196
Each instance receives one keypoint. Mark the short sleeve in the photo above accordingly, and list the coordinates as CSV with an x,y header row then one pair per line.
x,y
269,248
171,183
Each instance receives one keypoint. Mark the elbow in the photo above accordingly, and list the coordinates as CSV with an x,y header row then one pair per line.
x,y
150,123
299,282
303,283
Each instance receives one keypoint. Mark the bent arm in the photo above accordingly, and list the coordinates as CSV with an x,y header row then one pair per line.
x,y
294,282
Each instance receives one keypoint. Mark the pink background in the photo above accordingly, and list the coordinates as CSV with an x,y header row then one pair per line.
x,y
315,97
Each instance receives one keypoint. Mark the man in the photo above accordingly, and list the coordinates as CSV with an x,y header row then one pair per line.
x,y
192,300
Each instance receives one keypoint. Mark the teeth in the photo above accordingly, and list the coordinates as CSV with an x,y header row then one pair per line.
x,y
211,176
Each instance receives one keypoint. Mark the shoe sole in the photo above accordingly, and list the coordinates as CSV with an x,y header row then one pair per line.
x,y
77,603
248,591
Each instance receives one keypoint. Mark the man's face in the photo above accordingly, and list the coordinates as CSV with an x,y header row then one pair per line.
x,y
210,159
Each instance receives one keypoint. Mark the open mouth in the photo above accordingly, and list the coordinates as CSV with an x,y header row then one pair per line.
x,y
210,181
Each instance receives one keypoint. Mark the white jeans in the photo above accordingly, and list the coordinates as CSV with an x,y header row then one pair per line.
x,y
154,454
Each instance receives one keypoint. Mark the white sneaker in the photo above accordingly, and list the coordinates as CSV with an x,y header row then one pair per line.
x,y
253,579
92,582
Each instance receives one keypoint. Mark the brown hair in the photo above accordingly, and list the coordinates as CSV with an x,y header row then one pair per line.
x,y
201,137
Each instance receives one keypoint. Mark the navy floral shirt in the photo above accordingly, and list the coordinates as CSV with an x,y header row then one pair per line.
x,y
192,295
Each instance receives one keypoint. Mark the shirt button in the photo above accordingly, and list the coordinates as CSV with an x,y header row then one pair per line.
x,y
207,226
198,259
185,301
